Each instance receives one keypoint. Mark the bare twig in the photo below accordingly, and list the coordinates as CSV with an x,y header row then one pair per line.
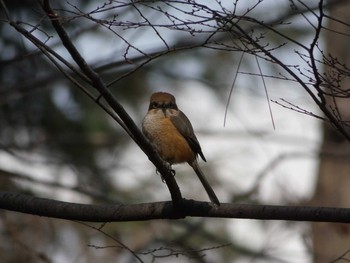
x,y
120,244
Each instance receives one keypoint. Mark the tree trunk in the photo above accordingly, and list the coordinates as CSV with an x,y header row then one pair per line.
x,y
331,241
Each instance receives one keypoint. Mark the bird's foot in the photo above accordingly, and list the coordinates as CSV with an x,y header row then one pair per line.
x,y
172,171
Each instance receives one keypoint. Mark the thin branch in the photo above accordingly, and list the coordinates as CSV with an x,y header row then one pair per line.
x,y
296,108
342,257
312,58
42,46
232,86
151,25
121,244
50,184
266,92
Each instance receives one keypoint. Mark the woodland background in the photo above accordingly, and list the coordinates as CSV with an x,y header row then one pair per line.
x,y
265,85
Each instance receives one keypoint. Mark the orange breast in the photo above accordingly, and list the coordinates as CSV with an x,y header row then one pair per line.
x,y
170,144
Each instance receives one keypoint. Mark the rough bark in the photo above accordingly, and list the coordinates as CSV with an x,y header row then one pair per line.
x,y
331,241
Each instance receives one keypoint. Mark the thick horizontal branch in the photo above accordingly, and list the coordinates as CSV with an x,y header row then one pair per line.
x,y
165,210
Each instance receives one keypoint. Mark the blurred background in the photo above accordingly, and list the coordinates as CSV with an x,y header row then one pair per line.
x,y
57,143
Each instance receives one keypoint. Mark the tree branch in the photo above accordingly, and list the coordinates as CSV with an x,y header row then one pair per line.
x,y
165,210
99,85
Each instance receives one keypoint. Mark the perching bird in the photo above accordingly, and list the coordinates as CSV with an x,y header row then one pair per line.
x,y
172,134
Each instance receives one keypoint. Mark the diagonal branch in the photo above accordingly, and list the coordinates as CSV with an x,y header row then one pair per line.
x,y
99,85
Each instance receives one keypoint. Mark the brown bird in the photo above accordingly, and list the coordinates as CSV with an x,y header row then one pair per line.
x,y
172,134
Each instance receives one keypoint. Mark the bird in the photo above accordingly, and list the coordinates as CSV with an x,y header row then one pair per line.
x,y
172,135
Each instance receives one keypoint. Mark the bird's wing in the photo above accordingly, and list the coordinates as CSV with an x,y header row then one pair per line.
x,y
183,125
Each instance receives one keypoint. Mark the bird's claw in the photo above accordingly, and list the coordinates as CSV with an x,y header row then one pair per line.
x,y
172,171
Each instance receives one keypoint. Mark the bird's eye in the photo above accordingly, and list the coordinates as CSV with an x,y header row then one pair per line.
x,y
154,105
162,105
172,105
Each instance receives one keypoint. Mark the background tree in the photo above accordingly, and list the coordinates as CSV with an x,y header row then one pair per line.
x,y
332,241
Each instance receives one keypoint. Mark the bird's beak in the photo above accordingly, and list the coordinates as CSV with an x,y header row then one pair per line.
x,y
164,111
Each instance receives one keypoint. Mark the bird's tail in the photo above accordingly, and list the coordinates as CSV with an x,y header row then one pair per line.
x,y
205,183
